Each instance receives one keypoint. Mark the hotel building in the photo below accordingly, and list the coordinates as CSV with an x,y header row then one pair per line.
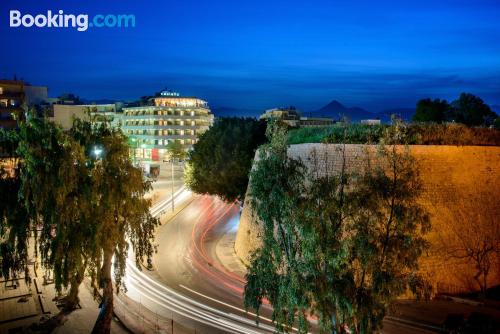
x,y
171,118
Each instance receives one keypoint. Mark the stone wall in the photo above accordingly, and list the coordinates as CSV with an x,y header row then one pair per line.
x,y
450,176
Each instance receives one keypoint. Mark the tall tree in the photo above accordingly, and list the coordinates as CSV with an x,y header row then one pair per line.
x,y
56,192
431,111
471,110
338,243
221,160
83,191
120,212
14,223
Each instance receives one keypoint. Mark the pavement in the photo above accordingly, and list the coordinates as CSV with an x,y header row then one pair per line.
x,y
28,304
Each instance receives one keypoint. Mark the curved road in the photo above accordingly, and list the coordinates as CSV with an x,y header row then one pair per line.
x,y
189,285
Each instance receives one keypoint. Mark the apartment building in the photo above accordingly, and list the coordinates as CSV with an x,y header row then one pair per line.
x,y
14,96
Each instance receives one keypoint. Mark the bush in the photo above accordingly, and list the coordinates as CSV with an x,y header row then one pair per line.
x,y
414,134
452,134
353,134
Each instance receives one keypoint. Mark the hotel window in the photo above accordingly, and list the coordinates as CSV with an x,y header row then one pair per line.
x,y
1,90
192,112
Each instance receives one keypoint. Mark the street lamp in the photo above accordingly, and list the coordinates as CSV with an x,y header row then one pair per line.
x,y
97,151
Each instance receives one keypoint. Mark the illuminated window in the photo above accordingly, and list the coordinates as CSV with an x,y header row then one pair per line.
x,y
1,90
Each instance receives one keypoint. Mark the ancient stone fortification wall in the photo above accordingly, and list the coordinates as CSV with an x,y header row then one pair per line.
x,y
449,174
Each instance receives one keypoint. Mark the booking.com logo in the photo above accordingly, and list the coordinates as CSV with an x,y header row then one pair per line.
x,y
61,20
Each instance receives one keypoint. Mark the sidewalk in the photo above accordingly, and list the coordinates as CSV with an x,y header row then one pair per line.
x,y
26,305
82,321
226,255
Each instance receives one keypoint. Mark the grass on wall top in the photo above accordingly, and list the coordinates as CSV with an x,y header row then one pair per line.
x,y
415,134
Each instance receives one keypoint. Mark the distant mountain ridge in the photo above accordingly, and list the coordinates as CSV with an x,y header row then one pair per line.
x,y
334,109
337,111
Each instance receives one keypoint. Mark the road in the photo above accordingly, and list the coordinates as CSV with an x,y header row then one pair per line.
x,y
187,284
190,286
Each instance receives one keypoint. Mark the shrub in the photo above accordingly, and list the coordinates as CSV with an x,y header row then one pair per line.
x,y
414,134
352,133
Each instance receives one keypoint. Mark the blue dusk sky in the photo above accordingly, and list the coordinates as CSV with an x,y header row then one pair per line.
x,y
260,54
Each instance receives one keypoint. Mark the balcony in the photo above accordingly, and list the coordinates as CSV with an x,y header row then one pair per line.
x,y
158,137
166,117
163,127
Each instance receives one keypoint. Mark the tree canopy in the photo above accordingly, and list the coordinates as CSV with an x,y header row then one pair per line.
x,y
82,193
220,161
471,110
339,244
176,150
468,109
432,111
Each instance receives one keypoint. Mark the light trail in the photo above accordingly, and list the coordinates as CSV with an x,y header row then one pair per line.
x,y
142,288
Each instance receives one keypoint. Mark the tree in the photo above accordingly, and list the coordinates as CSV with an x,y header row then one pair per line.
x,y
431,111
120,212
471,110
14,223
176,150
472,233
83,191
338,243
221,160
56,192
496,123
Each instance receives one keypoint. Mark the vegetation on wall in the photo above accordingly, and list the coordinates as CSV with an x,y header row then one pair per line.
x,y
360,232
413,134
472,234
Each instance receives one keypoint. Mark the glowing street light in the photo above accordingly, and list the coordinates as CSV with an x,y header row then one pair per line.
x,y
97,152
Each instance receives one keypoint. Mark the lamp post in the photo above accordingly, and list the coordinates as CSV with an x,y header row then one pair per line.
x,y
97,152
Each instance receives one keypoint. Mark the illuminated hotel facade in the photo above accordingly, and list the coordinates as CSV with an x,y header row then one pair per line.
x,y
171,118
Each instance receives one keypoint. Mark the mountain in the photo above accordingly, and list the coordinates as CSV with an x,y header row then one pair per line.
x,y
337,110
235,112
405,113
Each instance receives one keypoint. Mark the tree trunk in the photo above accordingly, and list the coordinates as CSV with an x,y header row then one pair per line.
x,y
72,299
103,322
